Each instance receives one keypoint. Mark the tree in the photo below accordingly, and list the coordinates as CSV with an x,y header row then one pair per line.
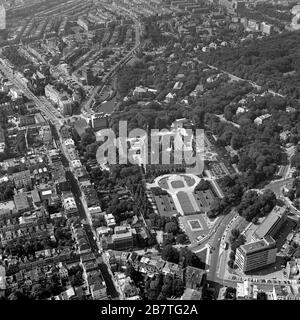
x,y
18,294
231,264
169,253
235,233
153,287
261,296
182,238
236,239
232,255
236,142
189,258
230,293
171,227
87,138
136,276
291,194
169,240
203,185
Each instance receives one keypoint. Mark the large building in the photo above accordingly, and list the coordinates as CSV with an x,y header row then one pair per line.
x,y
122,238
64,103
256,255
271,224
22,179
69,203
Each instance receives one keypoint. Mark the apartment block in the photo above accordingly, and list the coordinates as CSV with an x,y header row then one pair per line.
x,y
256,255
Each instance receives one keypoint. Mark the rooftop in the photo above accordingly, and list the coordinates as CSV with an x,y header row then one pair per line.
x,y
191,294
258,245
273,218
21,201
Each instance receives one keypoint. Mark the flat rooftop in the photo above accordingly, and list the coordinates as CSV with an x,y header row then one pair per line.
x,y
272,219
258,245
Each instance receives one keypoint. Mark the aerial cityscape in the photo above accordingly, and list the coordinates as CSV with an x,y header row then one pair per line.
x,y
90,90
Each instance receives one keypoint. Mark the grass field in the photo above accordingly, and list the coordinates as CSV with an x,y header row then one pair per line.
x,y
185,202
177,184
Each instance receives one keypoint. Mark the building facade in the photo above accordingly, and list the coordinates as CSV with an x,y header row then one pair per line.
x,y
256,255
122,238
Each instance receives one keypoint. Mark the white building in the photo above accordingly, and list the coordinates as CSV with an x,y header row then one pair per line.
x,y
266,28
246,290
259,120
110,220
69,203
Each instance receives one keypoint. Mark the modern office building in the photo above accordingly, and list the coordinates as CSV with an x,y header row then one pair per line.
x,y
271,224
256,255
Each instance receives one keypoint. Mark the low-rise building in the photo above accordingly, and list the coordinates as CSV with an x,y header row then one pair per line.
x,y
195,278
246,290
271,225
261,119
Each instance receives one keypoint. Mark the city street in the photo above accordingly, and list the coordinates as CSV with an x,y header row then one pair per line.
x,y
215,247
111,290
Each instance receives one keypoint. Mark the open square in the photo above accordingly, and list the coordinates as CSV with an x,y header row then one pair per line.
x,y
194,226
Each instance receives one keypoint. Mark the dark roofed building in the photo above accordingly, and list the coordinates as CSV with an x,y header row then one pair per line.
x,y
65,132
99,123
22,179
21,202
195,278
27,120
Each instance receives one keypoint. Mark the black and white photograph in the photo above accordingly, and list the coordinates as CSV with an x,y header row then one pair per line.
x,y
149,154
